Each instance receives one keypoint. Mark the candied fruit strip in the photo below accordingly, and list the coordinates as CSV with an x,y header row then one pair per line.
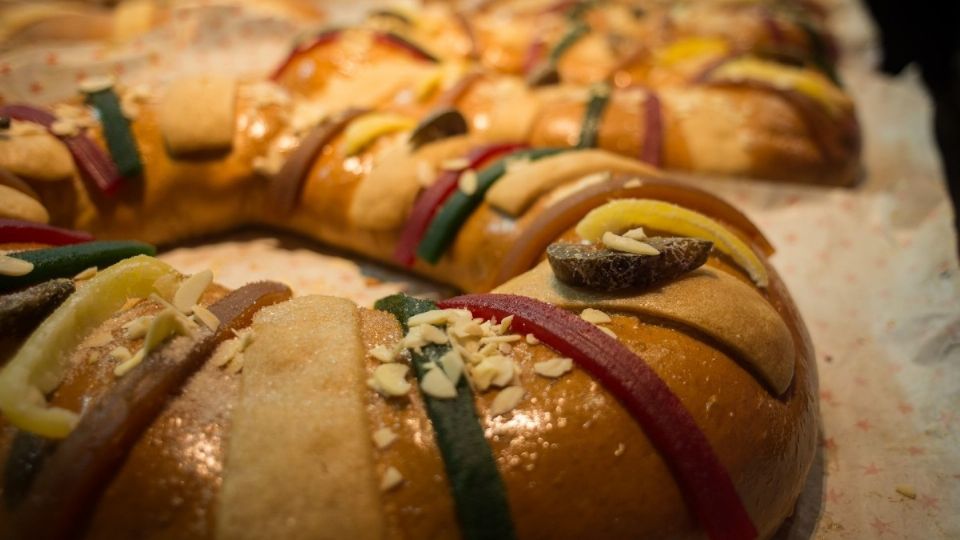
x,y
652,151
14,231
325,37
430,200
39,365
92,161
475,484
287,185
593,116
72,478
22,311
451,216
396,40
702,478
116,131
68,261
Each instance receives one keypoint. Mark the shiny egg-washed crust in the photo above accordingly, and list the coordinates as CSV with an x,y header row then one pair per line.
x,y
744,129
573,466
29,22
574,463
506,32
187,197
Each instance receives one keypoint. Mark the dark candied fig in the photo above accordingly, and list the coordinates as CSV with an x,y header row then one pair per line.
x,y
441,124
23,310
596,267
545,74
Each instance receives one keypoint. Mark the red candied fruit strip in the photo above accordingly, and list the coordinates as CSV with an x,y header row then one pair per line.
x,y
433,197
652,152
13,231
321,39
90,159
703,480
400,42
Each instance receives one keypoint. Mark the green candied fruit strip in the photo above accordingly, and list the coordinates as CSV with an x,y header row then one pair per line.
x,y
479,495
68,261
40,364
590,130
458,208
116,131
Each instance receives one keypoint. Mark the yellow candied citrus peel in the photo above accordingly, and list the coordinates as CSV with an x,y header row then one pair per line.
x,y
439,77
625,214
807,82
40,364
692,49
367,128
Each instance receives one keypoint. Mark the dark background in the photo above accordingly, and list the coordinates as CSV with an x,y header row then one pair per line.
x,y
927,33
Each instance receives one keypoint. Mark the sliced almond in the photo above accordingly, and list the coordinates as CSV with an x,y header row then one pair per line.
x,y
436,384
12,266
608,331
452,364
627,245
438,316
509,338
226,352
455,164
164,325
120,354
64,128
383,353
504,325
595,316
190,291
414,339
493,371
426,176
432,334
635,234
205,316
390,379
469,328
384,437
91,85
553,368
506,400
137,328
391,479
468,182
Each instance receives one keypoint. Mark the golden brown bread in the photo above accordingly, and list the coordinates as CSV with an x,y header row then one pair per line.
x,y
574,462
569,436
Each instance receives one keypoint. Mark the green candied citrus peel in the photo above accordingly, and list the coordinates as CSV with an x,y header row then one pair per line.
x,y
40,364
116,130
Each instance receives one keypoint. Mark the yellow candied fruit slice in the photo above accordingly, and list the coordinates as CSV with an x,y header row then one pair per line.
x,y
367,128
440,77
691,49
40,364
625,214
808,82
